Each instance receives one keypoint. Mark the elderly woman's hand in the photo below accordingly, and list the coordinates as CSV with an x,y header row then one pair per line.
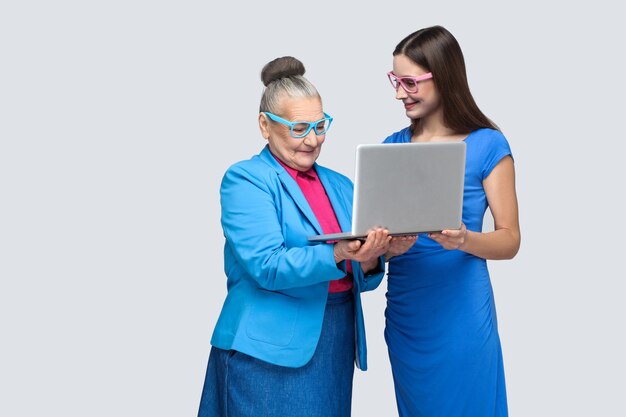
x,y
399,245
376,244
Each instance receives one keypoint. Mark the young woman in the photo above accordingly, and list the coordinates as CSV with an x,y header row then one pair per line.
x,y
441,327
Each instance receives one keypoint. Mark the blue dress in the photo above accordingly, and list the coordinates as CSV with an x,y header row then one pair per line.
x,y
441,328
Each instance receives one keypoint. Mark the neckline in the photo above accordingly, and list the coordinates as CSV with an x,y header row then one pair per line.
x,y
409,135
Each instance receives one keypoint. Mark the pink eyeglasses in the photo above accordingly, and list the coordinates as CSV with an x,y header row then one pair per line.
x,y
408,83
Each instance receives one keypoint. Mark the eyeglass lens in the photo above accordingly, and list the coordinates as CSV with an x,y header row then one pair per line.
x,y
409,84
302,129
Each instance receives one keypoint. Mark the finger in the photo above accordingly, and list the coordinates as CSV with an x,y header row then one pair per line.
x,y
406,238
383,239
407,242
379,238
354,245
437,237
346,248
454,233
373,238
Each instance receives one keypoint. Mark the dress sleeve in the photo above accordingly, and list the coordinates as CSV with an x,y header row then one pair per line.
x,y
497,147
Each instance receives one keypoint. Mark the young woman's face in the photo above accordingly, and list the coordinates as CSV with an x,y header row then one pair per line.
x,y
426,101
297,153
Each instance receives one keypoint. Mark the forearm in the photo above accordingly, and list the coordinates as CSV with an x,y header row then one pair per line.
x,y
499,244
290,268
391,254
370,265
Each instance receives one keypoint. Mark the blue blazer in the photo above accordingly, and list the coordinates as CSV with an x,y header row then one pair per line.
x,y
277,280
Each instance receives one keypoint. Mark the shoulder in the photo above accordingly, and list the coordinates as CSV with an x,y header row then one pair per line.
x,y
335,177
489,137
400,136
248,165
487,147
253,170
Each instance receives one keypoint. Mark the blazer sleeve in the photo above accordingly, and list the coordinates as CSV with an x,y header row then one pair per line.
x,y
372,279
252,227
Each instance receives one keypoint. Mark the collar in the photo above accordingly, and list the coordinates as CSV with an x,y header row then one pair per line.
x,y
310,174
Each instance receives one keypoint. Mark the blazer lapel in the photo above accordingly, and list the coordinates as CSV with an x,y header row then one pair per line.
x,y
292,188
337,200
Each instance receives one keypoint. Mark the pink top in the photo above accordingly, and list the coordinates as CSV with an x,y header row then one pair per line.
x,y
315,195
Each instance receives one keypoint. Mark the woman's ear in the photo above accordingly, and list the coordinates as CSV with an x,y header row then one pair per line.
x,y
263,125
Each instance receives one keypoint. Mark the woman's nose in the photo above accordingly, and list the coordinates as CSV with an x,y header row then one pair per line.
x,y
311,139
400,93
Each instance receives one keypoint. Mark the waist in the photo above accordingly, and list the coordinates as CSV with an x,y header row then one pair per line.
x,y
340,285
436,268
339,297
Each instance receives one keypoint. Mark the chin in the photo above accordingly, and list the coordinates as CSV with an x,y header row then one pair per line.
x,y
308,165
413,114
310,160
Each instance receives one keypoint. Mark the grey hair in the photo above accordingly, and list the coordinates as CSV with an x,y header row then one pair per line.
x,y
292,86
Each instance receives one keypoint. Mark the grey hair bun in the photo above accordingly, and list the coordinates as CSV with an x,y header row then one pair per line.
x,y
286,66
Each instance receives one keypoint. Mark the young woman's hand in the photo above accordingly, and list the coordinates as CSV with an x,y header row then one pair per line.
x,y
450,239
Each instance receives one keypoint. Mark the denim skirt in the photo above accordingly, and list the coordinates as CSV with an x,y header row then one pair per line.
x,y
238,385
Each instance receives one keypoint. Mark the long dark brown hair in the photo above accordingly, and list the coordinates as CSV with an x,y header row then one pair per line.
x,y
437,51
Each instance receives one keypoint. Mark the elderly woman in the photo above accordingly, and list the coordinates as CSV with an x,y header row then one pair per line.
x,y
291,327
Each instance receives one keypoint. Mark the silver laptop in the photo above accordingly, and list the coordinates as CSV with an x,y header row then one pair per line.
x,y
408,188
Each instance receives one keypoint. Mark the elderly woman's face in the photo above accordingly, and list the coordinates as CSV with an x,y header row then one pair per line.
x,y
297,153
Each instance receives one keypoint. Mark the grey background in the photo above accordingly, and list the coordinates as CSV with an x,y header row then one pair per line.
x,y
118,119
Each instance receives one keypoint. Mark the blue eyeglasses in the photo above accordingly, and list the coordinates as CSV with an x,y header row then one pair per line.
x,y
301,129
